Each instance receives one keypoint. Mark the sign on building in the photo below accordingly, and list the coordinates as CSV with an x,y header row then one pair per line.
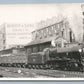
x,y
18,34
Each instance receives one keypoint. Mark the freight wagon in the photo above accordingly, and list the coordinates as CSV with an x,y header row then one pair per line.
x,y
13,57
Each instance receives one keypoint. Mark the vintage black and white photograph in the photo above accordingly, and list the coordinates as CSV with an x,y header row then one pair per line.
x,y
42,41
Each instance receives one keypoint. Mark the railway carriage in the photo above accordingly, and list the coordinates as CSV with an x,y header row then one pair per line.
x,y
13,57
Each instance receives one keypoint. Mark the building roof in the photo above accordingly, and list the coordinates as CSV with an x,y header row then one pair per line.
x,y
40,41
46,26
44,40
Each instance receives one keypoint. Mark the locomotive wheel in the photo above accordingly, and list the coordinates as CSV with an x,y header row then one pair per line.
x,y
41,66
82,69
51,67
37,67
18,65
29,66
22,66
65,68
33,66
9,65
15,65
46,66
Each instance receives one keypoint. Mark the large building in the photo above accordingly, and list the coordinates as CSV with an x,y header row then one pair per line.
x,y
17,33
14,35
61,28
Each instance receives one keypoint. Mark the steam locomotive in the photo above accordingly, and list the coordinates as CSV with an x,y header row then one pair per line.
x,y
65,58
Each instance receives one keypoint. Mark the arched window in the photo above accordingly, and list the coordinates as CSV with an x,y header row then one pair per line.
x,y
62,33
70,33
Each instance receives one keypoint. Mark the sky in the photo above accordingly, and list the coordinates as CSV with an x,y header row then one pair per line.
x,y
34,13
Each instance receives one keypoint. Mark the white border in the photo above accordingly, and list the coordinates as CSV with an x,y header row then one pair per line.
x,y
43,79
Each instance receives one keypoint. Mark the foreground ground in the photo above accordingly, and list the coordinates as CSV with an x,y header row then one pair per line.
x,y
7,72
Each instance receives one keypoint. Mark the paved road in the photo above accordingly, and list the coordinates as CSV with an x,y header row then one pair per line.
x,y
33,73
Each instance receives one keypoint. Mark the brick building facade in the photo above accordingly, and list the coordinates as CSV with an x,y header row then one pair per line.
x,y
61,28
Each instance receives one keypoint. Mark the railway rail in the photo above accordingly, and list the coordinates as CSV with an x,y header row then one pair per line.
x,y
34,73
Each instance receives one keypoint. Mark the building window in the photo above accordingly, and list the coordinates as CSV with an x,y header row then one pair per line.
x,y
29,50
40,34
63,33
40,48
35,49
3,41
59,45
47,31
70,36
44,33
36,35
61,25
55,28
50,31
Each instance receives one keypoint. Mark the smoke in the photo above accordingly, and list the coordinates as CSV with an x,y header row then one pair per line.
x,y
73,13
77,26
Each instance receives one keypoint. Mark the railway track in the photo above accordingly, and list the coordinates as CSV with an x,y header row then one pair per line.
x,y
34,73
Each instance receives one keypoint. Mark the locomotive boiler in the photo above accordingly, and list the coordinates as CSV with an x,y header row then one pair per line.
x,y
67,58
